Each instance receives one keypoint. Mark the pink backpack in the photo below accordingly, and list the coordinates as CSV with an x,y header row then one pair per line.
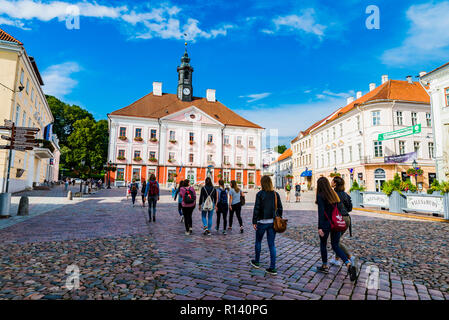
x,y
337,222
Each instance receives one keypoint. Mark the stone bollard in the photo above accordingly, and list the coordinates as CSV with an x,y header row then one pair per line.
x,y
23,206
69,195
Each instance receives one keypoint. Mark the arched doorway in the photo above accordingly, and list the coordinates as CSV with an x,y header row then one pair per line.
x,y
379,179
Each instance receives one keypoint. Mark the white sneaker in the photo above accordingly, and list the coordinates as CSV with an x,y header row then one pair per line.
x,y
335,262
354,261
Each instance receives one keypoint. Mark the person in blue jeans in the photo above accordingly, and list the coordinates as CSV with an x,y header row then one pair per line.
x,y
207,205
178,195
327,199
152,192
263,221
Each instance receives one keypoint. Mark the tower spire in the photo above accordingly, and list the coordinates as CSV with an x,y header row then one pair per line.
x,y
185,70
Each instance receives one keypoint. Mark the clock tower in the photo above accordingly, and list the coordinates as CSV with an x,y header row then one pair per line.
x,y
185,70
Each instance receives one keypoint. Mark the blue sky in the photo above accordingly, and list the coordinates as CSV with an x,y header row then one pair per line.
x,y
281,64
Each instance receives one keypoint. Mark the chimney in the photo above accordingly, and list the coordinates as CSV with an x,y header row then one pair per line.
x,y
349,100
409,79
372,86
157,88
422,74
384,78
210,95
359,94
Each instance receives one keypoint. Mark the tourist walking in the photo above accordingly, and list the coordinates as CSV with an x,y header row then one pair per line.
x,y
222,206
178,195
142,191
235,205
73,182
338,184
327,200
268,204
133,187
188,195
152,194
287,189
66,184
298,192
207,205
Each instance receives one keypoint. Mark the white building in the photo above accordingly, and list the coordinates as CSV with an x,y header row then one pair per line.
x,y
436,83
179,136
348,142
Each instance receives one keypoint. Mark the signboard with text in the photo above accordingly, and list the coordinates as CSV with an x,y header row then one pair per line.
x,y
425,203
375,200
400,133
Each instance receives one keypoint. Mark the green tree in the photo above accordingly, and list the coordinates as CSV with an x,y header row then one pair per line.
x,y
280,149
65,116
87,146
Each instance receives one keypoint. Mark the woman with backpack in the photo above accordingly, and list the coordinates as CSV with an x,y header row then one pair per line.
x,y
142,191
235,205
268,204
328,208
133,187
222,205
207,204
339,187
178,195
152,191
188,195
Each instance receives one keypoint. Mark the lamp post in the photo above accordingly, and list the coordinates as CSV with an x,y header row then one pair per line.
x,y
415,166
110,167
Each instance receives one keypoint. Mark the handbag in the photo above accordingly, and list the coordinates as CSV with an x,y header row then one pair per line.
x,y
279,224
242,199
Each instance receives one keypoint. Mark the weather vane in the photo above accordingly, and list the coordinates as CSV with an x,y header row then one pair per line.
x,y
185,39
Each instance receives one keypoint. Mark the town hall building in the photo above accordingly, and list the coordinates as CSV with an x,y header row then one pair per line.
x,y
180,136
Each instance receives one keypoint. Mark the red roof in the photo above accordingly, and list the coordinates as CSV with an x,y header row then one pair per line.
x,y
155,107
7,37
287,154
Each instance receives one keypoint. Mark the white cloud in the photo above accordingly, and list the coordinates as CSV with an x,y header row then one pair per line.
x,y
303,23
428,36
256,96
15,23
327,93
165,21
57,79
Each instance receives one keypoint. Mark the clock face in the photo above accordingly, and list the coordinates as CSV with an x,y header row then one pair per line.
x,y
186,91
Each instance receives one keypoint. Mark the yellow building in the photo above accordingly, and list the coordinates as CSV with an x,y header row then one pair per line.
x,y
23,102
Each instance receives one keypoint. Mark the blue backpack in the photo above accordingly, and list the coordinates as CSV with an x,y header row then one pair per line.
x,y
223,197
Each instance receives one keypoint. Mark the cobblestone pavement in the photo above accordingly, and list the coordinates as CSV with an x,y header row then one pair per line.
x,y
122,256
39,202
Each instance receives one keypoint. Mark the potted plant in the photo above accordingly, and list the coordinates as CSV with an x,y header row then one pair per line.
x,y
152,160
153,139
333,174
121,158
172,141
138,139
137,159
191,142
251,164
415,172
239,164
123,138
171,160
289,176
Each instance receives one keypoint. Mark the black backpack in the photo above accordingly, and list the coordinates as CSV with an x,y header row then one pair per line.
x,y
189,197
223,197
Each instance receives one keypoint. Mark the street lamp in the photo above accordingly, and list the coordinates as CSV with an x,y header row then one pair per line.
x,y
110,167
415,166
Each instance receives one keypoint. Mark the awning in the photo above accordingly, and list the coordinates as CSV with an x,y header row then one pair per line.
x,y
307,173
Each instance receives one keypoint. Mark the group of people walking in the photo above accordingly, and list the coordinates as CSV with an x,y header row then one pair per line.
x,y
211,199
333,203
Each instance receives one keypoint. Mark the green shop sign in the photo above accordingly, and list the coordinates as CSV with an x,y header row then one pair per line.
x,y
400,133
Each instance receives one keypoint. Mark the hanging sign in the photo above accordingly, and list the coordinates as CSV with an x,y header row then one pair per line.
x,y
400,133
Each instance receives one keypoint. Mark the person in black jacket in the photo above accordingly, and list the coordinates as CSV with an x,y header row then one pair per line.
x,y
263,216
208,191
142,191
345,207
327,199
